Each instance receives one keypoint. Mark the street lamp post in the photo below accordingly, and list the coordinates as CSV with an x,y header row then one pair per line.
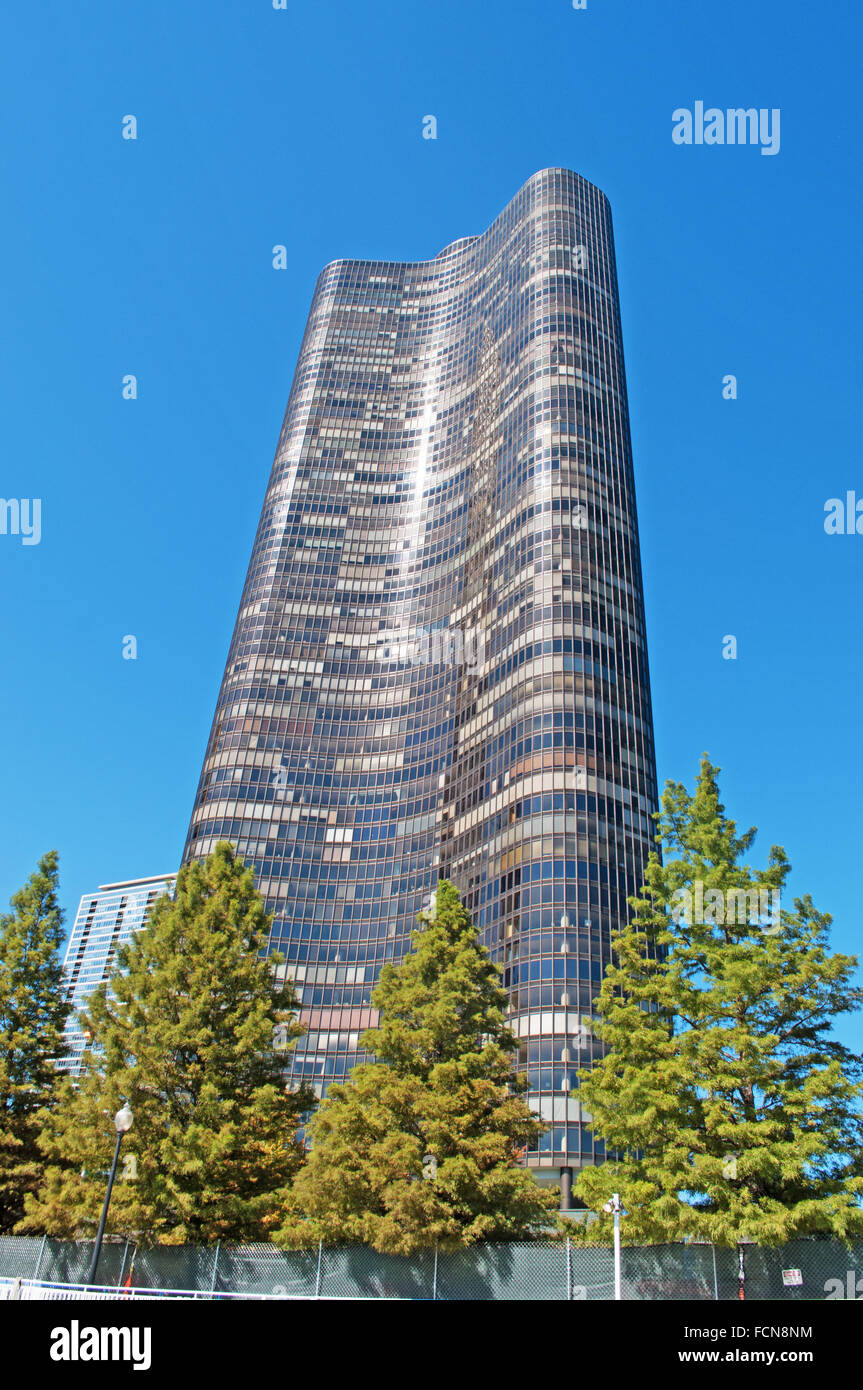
x,y
122,1124
615,1207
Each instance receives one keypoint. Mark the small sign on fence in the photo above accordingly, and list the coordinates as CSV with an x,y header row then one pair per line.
x,y
792,1278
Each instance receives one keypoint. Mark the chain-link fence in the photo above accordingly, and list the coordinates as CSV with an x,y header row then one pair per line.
x,y
562,1270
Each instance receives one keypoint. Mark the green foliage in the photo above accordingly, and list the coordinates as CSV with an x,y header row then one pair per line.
x,y
421,1147
184,1030
741,1118
33,1013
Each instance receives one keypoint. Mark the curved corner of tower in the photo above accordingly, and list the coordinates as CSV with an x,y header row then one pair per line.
x,y
460,244
552,169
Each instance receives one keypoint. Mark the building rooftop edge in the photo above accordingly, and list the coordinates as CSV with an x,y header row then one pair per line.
x,y
135,882
463,242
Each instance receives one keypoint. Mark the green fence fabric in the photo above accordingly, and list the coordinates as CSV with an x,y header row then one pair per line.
x,y
558,1271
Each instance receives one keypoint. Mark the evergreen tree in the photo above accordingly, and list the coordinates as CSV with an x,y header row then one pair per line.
x,y
733,1113
33,1012
187,1030
420,1148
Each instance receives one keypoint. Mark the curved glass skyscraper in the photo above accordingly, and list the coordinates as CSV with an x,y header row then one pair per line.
x,y
439,665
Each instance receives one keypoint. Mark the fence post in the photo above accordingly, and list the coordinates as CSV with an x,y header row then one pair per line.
x,y
715,1280
568,1271
318,1278
39,1261
215,1267
434,1283
123,1265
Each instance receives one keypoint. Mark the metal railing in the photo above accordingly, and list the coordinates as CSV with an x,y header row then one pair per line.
x,y
30,1290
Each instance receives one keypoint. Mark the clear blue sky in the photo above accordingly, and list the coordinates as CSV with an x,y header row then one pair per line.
x,y
303,127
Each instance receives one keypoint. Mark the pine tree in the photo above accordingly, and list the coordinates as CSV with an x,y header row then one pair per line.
x,y
733,1114
33,1012
187,1030
420,1147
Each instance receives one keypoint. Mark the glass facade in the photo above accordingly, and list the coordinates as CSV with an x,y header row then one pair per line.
x,y
439,666
105,920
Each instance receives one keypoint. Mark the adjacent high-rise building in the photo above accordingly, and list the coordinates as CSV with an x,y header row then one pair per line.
x,y
439,666
105,920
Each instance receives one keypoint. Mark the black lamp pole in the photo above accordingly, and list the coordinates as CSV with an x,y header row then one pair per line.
x,y
122,1123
